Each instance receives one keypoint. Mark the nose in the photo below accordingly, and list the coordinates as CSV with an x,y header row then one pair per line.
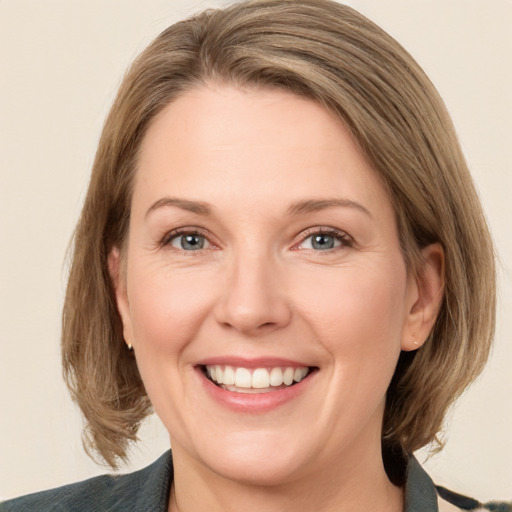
x,y
254,299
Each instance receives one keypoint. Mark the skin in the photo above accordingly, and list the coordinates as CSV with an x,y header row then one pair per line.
x,y
259,288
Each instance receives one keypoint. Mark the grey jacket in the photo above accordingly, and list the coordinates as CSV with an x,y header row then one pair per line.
x,y
147,490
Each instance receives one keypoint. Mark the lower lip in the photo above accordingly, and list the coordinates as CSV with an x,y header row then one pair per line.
x,y
253,402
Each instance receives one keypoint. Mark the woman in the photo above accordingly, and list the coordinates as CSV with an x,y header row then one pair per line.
x,y
281,251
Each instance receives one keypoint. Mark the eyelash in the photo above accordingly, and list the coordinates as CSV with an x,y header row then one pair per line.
x,y
342,237
176,233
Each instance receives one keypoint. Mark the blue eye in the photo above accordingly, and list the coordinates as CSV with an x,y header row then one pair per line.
x,y
321,242
189,242
325,241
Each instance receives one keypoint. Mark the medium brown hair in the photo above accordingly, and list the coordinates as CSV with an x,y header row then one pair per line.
x,y
328,52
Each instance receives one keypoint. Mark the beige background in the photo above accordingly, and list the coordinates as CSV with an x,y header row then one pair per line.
x,y
60,64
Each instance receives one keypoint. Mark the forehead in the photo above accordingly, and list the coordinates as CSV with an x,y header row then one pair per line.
x,y
223,143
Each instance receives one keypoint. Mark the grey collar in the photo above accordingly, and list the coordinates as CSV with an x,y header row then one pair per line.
x,y
420,492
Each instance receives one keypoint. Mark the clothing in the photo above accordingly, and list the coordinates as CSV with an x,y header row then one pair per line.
x,y
147,490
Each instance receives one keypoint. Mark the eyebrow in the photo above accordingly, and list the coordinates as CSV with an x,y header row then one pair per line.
x,y
314,205
296,208
197,207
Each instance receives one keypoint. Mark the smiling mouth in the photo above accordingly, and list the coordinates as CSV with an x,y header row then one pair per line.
x,y
255,380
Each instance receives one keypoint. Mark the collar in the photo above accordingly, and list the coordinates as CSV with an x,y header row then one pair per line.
x,y
420,491
155,480
154,486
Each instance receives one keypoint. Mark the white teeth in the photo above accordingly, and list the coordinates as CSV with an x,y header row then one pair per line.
x,y
276,377
243,378
229,376
262,379
299,374
288,376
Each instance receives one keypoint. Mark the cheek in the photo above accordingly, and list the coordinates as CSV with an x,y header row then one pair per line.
x,y
166,307
357,313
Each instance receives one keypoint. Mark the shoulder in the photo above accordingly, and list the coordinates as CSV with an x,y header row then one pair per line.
x,y
146,489
421,495
450,501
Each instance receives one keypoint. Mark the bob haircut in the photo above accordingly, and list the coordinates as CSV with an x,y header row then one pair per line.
x,y
329,53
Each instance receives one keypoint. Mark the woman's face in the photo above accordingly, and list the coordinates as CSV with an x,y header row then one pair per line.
x,y
262,247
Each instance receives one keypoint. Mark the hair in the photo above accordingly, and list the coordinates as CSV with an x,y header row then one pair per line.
x,y
327,52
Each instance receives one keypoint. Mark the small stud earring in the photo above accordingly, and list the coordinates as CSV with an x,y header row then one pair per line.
x,y
129,345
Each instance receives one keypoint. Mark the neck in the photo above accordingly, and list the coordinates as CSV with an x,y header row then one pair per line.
x,y
358,483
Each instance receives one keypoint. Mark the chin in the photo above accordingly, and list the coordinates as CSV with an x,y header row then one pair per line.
x,y
256,458
258,471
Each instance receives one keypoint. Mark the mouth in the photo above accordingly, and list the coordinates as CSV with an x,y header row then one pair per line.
x,y
255,380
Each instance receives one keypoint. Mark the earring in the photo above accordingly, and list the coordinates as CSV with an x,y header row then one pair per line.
x,y
129,345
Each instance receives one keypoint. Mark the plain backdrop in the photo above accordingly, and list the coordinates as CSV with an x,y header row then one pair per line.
x,y
61,62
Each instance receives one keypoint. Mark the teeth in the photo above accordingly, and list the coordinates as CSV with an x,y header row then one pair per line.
x,y
257,379
260,378
288,376
299,374
229,376
276,377
242,378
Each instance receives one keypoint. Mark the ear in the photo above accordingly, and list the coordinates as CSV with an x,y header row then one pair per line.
x,y
118,277
426,295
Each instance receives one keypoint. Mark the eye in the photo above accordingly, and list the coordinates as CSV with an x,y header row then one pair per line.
x,y
188,241
325,240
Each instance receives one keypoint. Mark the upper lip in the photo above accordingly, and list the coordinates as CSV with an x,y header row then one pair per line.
x,y
258,362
